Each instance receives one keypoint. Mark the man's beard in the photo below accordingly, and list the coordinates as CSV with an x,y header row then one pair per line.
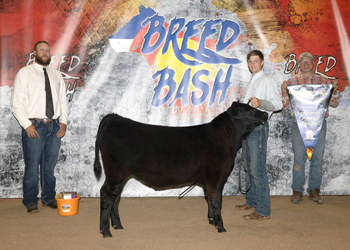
x,y
41,61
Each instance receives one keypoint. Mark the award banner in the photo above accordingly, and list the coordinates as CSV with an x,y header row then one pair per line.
x,y
309,104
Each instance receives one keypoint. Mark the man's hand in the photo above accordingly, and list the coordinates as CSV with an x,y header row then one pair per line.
x,y
284,87
255,102
31,132
62,130
335,84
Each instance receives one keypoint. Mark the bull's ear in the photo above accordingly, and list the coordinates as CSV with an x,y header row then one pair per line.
x,y
235,104
233,107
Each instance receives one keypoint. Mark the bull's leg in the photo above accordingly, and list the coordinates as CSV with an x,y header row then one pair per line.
x,y
215,199
115,219
210,208
106,203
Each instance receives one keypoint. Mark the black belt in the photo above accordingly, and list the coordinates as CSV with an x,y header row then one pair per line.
x,y
45,121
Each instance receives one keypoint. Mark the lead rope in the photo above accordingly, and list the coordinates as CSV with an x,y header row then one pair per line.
x,y
248,168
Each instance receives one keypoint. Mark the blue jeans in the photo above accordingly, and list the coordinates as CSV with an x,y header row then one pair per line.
x,y
41,152
300,157
259,194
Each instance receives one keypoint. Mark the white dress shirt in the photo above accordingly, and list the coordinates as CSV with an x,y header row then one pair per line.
x,y
28,98
264,88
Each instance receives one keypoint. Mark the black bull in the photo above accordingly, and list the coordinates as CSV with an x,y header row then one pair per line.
x,y
164,157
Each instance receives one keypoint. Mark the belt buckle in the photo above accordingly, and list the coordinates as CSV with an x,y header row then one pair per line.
x,y
47,121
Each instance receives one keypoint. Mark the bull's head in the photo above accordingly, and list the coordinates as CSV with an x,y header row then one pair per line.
x,y
247,113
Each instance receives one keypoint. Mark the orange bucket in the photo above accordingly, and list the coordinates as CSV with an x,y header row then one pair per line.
x,y
68,207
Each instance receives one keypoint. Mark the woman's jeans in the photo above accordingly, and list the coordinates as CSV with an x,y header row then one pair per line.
x,y
259,194
41,152
300,157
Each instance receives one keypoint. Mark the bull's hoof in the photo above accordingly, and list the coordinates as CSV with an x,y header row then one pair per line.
x,y
106,234
117,226
211,221
222,230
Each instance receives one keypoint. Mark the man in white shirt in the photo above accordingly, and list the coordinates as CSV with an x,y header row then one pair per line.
x,y
40,105
263,94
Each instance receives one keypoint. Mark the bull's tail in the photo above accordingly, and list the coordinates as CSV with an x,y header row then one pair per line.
x,y
97,163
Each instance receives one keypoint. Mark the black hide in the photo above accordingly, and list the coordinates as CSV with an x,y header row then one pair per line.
x,y
164,157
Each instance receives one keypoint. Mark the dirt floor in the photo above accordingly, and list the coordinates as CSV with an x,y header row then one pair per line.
x,y
165,223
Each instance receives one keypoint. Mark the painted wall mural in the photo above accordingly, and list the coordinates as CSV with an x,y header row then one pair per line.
x,y
172,63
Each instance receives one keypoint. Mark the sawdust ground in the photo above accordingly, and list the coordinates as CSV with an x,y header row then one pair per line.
x,y
165,223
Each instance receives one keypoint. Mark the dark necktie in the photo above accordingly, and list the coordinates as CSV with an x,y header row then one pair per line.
x,y
49,102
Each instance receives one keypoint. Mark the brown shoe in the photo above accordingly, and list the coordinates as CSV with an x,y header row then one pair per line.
x,y
32,208
315,196
255,216
244,207
297,197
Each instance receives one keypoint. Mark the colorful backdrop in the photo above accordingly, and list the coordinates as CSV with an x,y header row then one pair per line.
x,y
173,63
